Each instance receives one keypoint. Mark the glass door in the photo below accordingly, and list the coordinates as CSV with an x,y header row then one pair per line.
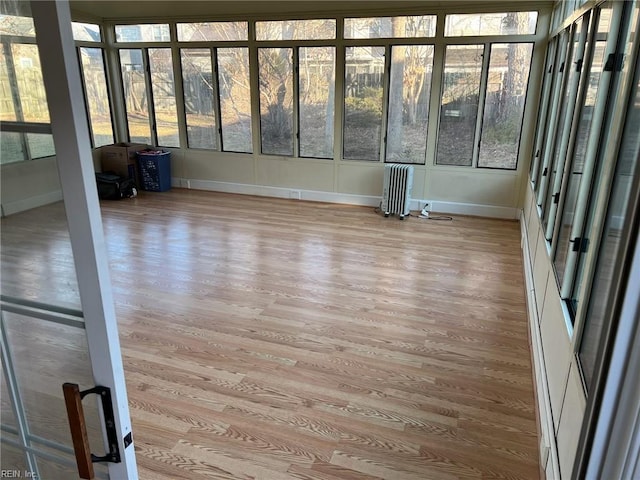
x,y
57,318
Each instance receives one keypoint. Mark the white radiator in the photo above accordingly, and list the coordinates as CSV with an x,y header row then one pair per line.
x,y
396,189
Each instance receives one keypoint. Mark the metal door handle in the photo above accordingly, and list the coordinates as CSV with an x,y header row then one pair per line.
x,y
75,413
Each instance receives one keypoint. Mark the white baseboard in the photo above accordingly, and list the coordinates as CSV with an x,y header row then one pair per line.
x,y
475,210
10,208
351,199
548,447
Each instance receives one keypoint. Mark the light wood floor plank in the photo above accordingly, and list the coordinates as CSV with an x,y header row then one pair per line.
x,y
276,339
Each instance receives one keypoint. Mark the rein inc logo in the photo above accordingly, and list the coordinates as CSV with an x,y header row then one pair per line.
x,y
17,474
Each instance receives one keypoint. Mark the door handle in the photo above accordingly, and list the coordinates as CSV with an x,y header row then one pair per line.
x,y
77,424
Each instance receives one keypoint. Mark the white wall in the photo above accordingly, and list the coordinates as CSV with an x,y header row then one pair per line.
x,y
560,396
29,184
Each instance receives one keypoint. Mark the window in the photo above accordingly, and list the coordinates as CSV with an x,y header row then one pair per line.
x,y
477,24
86,32
296,30
311,103
198,86
212,31
508,75
143,33
364,82
276,100
583,228
585,122
235,99
150,96
23,99
33,98
390,27
543,114
553,116
132,65
217,101
94,79
564,125
387,101
96,95
164,98
316,94
14,25
613,243
459,104
409,93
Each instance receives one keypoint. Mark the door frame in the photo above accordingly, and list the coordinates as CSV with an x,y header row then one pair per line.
x,y
63,85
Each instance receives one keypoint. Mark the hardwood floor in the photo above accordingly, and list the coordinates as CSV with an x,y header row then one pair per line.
x,y
278,339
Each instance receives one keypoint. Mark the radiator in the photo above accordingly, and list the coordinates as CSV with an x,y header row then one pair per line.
x,y
396,189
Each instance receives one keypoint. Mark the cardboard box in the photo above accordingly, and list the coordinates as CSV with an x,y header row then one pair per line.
x,y
120,158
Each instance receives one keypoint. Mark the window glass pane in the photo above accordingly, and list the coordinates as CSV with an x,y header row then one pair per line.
x,y
135,95
558,71
86,31
235,99
11,149
459,107
567,102
364,84
40,145
410,85
7,108
212,31
33,98
143,33
507,81
296,30
576,172
543,114
610,248
97,96
316,96
627,160
197,83
390,27
276,100
511,23
15,25
164,97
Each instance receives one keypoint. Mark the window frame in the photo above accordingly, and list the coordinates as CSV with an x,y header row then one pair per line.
x,y
19,125
433,38
79,44
483,94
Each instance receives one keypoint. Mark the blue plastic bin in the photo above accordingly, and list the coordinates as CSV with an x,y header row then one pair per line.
x,y
155,170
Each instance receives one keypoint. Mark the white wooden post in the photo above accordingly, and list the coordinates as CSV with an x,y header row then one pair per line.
x,y
63,85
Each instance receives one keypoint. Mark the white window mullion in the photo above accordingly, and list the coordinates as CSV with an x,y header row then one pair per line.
x,y
484,78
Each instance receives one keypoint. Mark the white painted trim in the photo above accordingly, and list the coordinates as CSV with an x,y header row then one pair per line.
x,y
31,202
548,446
62,82
345,198
476,210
